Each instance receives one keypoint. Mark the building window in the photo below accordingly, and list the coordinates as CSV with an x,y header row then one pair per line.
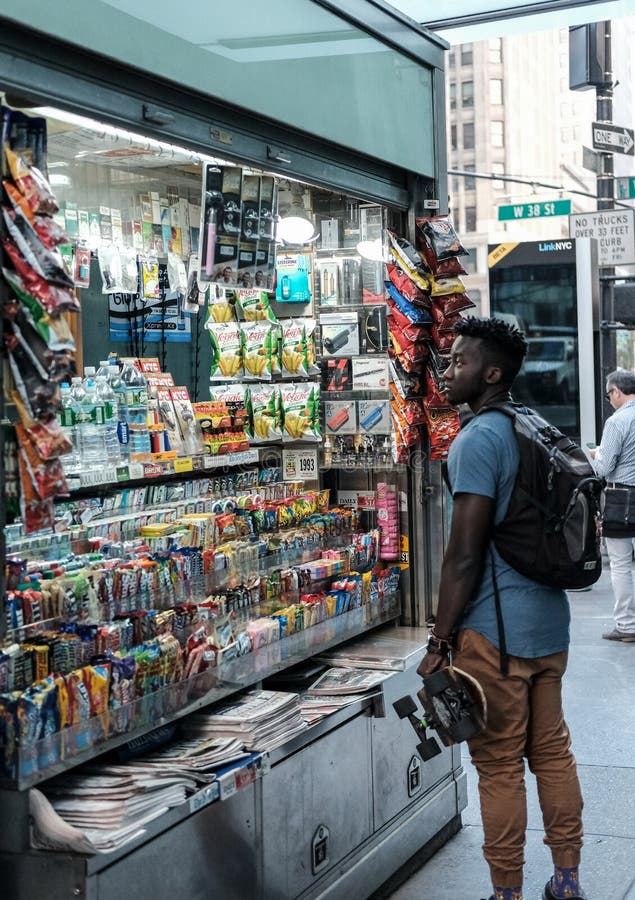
x,y
475,297
469,182
450,59
565,135
498,169
453,138
497,133
470,263
467,93
466,54
495,50
452,94
468,135
470,218
496,91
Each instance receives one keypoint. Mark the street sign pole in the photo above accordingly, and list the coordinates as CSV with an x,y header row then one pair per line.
x,y
606,200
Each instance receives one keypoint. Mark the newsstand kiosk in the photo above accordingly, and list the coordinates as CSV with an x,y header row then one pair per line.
x,y
207,214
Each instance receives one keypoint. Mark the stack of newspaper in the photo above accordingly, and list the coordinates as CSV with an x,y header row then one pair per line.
x,y
105,806
347,681
92,813
261,720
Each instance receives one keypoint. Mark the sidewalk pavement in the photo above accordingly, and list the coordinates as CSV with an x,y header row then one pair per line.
x,y
599,704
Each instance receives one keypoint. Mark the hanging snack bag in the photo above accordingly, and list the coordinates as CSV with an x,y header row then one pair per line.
x,y
435,398
19,203
438,240
31,183
234,398
294,349
110,268
443,427
54,299
47,263
49,231
55,332
177,273
221,304
254,305
407,287
150,278
449,267
409,260
416,315
447,285
300,412
226,340
453,303
129,271
264,414
257,343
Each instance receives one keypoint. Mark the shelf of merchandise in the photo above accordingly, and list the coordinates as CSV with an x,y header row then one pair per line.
x,y
78,744
134,474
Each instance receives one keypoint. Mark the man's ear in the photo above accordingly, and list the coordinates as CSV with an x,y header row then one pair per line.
x,y
493,375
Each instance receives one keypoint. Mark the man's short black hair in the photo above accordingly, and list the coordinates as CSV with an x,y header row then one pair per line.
x,y
504,344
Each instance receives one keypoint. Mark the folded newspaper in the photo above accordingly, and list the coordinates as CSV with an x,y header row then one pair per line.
x,y
348,681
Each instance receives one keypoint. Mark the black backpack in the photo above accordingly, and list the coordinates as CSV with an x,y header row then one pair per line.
x,y
550,532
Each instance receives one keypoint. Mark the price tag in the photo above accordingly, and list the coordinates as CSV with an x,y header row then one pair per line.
x,y
183,464
298,464
204,797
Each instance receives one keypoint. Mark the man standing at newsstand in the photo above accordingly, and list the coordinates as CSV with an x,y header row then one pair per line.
x,y
524,707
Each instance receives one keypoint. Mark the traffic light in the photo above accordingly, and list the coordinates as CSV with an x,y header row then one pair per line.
x,y
586,57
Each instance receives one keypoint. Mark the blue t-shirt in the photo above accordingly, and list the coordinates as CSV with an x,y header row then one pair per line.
x,y
484,460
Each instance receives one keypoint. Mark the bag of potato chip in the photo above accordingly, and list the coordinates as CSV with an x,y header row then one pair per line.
x,y
221,304
294,361
226,340
257,345
264,414
254,305
300,412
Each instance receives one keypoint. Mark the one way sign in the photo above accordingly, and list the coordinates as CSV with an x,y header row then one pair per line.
x,y
613,139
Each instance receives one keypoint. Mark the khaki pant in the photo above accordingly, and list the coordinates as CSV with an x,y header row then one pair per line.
x,y
524,720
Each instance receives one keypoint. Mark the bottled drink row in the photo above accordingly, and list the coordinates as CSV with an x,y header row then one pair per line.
x,y
105,416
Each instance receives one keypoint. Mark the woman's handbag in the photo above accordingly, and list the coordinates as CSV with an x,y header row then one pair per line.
x,y
618,512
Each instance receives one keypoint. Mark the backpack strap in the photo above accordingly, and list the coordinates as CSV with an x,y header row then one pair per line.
x,y
502,643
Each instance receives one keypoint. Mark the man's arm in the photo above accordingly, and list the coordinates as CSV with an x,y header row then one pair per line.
x,y
462,569
607,454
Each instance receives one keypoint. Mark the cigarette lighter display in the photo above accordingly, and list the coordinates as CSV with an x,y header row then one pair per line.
x,y
340,417
374,416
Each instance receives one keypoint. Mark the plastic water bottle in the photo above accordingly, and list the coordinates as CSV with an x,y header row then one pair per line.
x,y
119,388
137,407
89,373
92,437
108,400
68,423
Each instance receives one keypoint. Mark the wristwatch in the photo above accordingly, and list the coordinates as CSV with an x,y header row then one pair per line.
x,y
440,646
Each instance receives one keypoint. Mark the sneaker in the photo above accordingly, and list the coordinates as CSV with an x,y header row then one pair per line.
x,y
547,894
615,635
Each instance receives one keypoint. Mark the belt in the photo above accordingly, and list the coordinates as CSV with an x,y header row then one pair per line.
x,y
617,484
